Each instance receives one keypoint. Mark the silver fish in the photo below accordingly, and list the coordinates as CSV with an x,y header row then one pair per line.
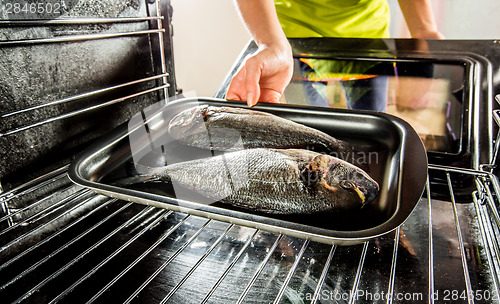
x,y
231,129
281,181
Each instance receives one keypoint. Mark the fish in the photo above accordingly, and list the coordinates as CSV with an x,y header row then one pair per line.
x,y
277,181
231,128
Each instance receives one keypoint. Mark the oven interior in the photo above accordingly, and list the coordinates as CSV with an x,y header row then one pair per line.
x,y
66,81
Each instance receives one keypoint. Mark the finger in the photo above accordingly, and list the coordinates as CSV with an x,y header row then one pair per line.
x,y
236,89
253,74
270,96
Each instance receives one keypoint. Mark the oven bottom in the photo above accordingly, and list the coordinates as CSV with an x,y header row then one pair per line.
x,y
61,242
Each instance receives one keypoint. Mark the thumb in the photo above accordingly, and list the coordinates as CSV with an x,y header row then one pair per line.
x,y
253,74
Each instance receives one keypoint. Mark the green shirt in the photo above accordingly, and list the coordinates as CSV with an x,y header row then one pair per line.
x,y
334,18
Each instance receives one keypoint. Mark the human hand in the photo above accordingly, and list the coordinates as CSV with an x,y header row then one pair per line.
x,y
263,76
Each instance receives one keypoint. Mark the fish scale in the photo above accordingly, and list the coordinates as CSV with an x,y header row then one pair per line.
x,y
230,129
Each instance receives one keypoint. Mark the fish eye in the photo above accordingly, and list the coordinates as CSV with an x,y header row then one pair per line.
x,y
346,184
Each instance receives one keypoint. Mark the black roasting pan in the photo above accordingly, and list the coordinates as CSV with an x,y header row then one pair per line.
x,y
393,155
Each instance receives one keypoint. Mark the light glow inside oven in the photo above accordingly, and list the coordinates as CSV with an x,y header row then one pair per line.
x,y
428,95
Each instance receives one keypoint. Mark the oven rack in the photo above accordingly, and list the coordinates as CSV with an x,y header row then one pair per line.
x,y
496,149
61,242
161,80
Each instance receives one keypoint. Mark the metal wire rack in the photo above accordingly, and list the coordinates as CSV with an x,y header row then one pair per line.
x,y
61,94
163,74
74,246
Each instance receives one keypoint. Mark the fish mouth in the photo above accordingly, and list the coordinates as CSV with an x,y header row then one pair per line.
x,y
361,195
184,119
322,164
360,192
368,195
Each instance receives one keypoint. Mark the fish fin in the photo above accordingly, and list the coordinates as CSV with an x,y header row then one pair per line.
x,y
310,176
136,179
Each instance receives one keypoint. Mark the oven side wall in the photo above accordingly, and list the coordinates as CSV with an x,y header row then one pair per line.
x,y
54,86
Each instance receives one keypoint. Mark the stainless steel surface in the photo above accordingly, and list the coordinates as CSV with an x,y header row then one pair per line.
x,y
72,246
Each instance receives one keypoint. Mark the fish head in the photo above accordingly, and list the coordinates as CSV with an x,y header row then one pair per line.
x,y
346,180
192,120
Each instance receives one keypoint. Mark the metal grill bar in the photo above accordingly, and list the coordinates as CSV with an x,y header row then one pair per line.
x,y
486,198
470,172
80,256
81,111
57,251
491,204
482,202
390,290
34,184
259,270
431,244
215,244
165,264
494,183
491,235
138,259
75,21
59,232
84,95
291,272
44,212
55,208
461,241
161,44
496,118
162,215
354,290
493,263
482,195
231,265
76,38
10,215
322,278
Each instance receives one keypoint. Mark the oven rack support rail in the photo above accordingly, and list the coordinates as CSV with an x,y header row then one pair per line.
x,y
49,249
496,148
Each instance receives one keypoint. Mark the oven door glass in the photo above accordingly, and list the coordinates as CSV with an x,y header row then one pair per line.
x,y
427,94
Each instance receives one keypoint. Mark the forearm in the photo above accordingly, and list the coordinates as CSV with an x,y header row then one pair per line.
x,y
266,73
420,18
262,22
